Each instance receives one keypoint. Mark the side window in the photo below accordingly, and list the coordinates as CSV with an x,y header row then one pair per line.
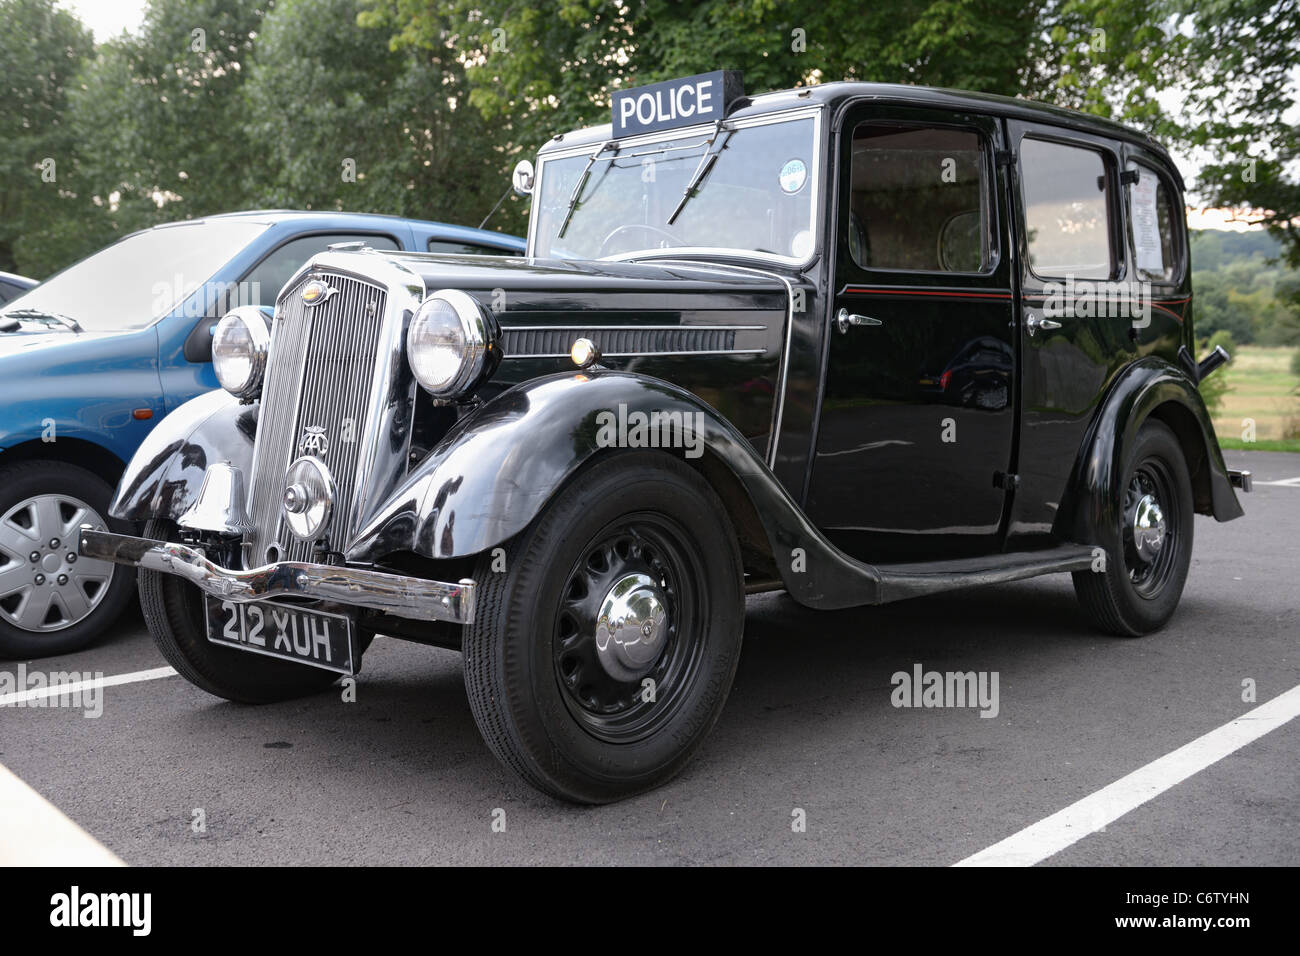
x,y
1151,225
1067,210
463,248
278,268
918,199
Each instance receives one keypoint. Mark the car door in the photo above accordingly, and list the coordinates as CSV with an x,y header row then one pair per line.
x,y
917,414
1078,327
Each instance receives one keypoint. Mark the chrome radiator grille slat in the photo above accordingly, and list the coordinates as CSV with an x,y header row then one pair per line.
x,y
319,375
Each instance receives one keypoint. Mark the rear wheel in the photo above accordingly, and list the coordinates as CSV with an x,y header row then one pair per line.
x,y
52,600
1149,548
173,609
600,658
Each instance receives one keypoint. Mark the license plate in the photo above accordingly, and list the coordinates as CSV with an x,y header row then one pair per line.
x,y
279,630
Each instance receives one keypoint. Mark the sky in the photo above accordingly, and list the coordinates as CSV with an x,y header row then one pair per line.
x,y
108,18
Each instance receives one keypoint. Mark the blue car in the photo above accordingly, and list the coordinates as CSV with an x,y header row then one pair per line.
x,y
93,357
12,286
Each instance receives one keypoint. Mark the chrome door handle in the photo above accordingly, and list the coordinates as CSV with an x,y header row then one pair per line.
x,y
844,318
1033,323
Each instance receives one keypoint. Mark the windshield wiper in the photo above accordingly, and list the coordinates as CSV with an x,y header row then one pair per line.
x,y
582,181
717,145
41,314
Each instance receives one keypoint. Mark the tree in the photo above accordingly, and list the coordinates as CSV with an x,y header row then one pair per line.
x,y
41,47
346,122
1236,62
161,113
537,73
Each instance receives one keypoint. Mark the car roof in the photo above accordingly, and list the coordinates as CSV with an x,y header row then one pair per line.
x,y
837,94
330,218
17,279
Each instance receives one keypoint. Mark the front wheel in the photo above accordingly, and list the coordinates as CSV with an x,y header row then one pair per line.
x,y
601,655
173,610
1149,546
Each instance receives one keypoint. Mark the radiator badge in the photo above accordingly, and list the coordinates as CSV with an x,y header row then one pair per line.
x,y
314,442
316,292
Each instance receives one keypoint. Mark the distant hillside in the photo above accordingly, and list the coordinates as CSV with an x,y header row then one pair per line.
x,y
1212,249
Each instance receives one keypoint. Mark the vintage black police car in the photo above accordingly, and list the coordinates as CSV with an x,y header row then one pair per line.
x,y
857,342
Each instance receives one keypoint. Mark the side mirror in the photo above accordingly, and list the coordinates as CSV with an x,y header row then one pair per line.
x,y
523,178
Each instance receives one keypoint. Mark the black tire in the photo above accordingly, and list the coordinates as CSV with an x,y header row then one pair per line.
x,y
64,628
1139,589
173,610
546,705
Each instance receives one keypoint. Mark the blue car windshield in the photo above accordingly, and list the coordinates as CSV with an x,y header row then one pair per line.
x,y
141,278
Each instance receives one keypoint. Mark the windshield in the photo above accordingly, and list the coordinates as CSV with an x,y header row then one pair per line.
x,y
753,192
141,278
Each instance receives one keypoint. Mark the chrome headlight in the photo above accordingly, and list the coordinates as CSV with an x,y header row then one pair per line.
x,y
239,346
452,344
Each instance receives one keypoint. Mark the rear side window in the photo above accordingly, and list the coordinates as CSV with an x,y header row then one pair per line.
x,y
448,247
278,268
1067,210
1151,225
917,199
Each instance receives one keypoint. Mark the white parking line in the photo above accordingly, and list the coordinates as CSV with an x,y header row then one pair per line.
x,y
1052,835
33,832
58,690
1284,483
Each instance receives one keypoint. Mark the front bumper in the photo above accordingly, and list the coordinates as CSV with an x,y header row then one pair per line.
x,y
396,594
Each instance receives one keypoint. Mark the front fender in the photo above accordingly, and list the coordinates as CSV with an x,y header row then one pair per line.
x,y
493,473
164,476
496,470
1150,387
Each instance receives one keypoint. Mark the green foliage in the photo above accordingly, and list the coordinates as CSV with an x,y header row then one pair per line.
x,y
1241,288
348,104
42,191
222,104
1222,338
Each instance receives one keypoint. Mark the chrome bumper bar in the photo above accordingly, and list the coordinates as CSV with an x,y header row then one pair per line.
x,y
396,594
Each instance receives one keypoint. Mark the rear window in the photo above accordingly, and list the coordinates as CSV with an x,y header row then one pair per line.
x,y
1067,210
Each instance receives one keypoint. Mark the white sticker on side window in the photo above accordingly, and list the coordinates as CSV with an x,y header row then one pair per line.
x,y
1146,223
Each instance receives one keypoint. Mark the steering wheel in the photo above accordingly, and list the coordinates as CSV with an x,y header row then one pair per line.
x,y
614,234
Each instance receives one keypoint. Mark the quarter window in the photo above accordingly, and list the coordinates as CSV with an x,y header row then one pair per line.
x,y
918,199
1151,225
1067,210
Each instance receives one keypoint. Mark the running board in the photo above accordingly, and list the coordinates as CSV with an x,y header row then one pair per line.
x,y
841,581
900,581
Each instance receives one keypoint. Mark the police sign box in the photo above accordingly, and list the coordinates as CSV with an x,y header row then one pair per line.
x,y
693,99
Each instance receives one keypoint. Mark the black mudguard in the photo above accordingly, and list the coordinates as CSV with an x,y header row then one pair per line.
x,y
497,469
1149,388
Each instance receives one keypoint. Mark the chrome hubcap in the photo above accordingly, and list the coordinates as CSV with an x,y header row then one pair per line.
x,y
45,584
632,627
1148,528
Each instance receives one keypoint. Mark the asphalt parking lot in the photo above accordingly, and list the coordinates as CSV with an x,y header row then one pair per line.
x,y
402,777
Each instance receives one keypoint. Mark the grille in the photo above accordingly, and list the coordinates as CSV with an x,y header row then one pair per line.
x,y
556,342
319,376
